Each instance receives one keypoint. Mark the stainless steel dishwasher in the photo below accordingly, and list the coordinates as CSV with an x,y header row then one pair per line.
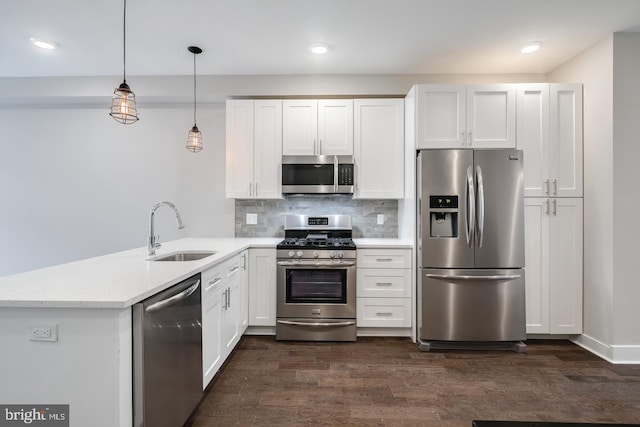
x,y
167,356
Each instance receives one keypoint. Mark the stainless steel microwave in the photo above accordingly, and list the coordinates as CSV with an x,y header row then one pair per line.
x,y
317,175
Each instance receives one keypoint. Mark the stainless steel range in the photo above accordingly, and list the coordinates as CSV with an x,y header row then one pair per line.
x,y
316,279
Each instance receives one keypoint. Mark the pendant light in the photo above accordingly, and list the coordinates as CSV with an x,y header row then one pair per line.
x,y
123,104
194,140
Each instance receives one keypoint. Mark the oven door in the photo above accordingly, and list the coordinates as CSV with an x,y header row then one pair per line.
x,y
316,289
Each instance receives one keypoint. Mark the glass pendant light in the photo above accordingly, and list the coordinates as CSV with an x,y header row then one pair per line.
x,y
194,140
123,104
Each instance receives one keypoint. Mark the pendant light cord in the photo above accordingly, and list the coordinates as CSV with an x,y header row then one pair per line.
x,y
194,89
124,42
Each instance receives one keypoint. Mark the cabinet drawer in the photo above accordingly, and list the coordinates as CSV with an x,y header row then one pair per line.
x,y
212,278
384,312
384,258
381,283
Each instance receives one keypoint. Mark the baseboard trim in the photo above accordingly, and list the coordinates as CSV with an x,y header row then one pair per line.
x,y
595,346
627,354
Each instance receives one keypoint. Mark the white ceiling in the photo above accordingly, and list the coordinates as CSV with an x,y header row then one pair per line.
x,y
273,36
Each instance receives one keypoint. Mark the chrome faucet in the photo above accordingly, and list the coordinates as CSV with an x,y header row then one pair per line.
x,y
152,243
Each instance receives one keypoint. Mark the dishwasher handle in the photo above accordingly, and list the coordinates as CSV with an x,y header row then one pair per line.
x,y
173,299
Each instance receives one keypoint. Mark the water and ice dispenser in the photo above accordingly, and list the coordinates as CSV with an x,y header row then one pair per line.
x,y
443,213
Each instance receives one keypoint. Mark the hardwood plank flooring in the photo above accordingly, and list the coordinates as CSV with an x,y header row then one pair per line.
x,y
389,382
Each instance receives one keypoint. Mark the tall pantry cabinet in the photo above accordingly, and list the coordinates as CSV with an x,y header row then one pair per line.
x,y
549,132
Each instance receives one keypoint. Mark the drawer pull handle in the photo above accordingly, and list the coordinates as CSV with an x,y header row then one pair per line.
x,y
233,270
212,283
384,283
384,314
384,259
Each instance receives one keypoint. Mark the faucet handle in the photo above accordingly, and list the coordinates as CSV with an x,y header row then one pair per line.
x,y
156,242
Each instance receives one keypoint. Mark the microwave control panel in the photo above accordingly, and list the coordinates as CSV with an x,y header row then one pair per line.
x,y
345,174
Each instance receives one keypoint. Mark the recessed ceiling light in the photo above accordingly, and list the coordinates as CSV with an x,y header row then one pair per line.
x,y
319,48
44,44
530,47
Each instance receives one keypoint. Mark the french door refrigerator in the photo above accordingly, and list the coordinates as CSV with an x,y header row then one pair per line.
x,y
471,248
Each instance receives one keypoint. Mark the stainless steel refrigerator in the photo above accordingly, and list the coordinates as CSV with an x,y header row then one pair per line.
x,y
471,248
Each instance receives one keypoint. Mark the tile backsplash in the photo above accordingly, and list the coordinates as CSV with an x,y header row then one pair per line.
x,y
270,213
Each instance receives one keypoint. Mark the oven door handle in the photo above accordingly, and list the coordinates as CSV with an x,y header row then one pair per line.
x,y
314,264
315,324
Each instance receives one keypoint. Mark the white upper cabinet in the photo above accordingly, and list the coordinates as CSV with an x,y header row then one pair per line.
x,y
254,149
466,116
379,148
317,127
550,134
565,124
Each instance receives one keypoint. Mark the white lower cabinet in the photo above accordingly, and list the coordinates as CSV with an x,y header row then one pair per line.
x,y
384,288
262,287
553,265
224,312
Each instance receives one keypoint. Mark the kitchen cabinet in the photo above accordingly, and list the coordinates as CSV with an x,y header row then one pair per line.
x,y
465,116
212,288
550,134
262,287
553,265
254,149
224,312
379,148
317,127
383,280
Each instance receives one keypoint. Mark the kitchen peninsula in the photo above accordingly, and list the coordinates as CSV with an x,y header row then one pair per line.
x,y
87,306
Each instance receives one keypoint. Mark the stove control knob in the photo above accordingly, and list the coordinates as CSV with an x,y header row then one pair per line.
x,y
291,254
332,255
316,254
299,254
340,254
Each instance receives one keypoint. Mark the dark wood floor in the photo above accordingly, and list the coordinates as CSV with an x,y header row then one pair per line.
x,y
388,382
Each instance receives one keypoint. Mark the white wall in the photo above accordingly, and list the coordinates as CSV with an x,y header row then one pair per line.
x,y
594,69
76,184
626,195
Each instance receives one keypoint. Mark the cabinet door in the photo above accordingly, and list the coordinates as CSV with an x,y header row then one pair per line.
x,y
379,148
565,271
533,137
268,149
239,149
536,230
566,140
262,287
244,291
491,116
335,127
212,357
441,116
231,315
299,127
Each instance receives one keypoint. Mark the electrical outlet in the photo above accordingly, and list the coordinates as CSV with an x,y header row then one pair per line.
x,y
43,333
380,219
252,219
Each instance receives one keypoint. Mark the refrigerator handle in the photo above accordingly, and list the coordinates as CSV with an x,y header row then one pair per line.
x,y
471,208
480,234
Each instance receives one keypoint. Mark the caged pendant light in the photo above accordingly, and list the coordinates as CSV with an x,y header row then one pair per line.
x,y
123,103
194,140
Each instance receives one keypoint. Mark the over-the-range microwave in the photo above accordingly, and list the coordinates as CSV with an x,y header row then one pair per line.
x,y
317,174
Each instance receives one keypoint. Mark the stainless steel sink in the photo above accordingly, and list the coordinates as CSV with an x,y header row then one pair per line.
x,y
184,256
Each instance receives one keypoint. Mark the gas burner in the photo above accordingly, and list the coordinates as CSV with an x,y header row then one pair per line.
x,y
324,232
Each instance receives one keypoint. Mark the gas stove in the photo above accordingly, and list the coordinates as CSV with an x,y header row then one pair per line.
x,y
319,237
315,243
